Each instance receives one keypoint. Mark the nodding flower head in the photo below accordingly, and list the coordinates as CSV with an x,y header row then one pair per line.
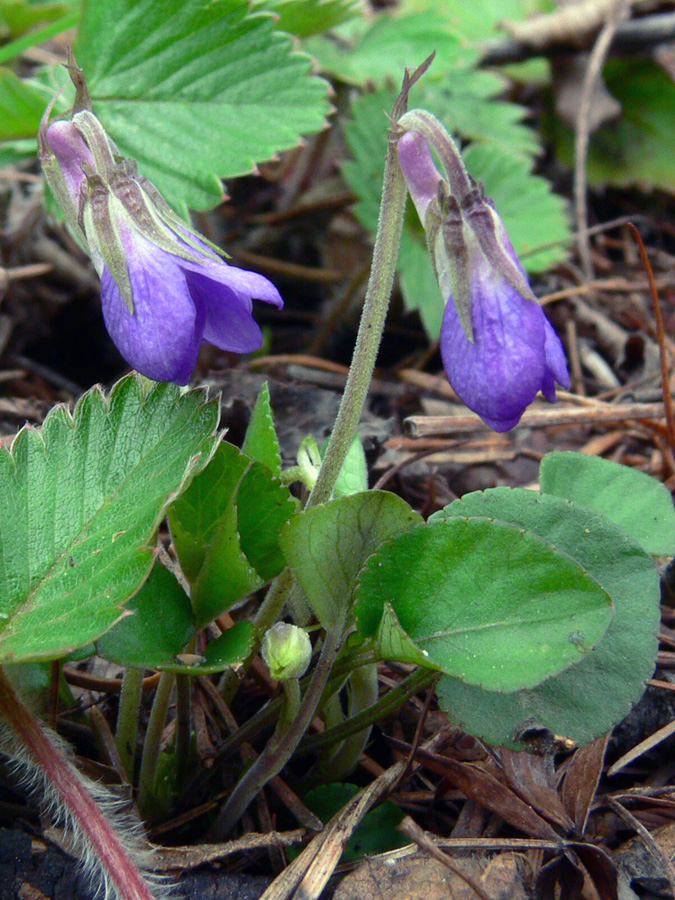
x,y
165,289
497,345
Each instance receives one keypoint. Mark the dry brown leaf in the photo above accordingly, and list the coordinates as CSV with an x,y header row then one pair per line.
x,y
414,877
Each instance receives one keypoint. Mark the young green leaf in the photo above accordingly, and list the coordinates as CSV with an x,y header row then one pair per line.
x,y
353,476
21,107
80,501
587,699
326,546
226,530
261,441
157,628
640,505
211,81
491,604
195,515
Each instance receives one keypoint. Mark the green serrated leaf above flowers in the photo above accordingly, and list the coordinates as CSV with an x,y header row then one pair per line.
x,y
80,501
196,91
636,148
304,18
389,44
21,107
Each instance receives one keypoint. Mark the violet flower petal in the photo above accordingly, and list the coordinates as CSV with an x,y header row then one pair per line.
x,y
68,145
162,337
515,353
228,320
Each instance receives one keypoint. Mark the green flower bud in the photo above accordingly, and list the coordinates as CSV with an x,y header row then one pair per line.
x,y
286,650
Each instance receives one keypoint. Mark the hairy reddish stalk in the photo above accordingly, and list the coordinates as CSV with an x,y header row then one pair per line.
x,y
660,337
46,769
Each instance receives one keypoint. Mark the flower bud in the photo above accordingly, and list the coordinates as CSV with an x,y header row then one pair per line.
x,y
287,651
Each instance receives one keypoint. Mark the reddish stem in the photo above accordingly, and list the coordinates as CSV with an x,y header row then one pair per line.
x,y
117,867
661,338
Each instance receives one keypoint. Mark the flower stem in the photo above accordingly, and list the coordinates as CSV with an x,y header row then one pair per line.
x,y
126,732
153,738
183,726
371,326
363,688
385,706
283,743
44,764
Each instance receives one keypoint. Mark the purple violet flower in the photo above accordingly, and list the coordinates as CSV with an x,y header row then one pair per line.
x,y
164,289
497,345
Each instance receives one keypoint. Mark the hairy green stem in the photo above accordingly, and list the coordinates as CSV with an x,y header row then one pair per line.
x,y
126,732
371,326
153,739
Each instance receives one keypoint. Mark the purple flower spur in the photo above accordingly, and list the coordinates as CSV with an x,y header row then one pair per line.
x,y
497,345
164,288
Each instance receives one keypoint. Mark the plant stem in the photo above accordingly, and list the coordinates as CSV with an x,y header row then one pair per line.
x,y
283,743
385,706
268,613
183,726
126,732
64,787
371,326
363,688
153,738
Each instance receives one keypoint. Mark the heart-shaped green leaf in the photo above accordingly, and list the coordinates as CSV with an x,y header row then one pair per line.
x,y
585,700
640,505
326,546
490,603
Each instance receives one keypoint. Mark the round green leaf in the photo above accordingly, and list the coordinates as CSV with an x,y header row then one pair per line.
x,y
586,700
490,604
637,503
327,545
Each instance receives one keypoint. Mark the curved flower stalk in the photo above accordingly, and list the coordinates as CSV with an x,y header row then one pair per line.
x,y
164,288
497,345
